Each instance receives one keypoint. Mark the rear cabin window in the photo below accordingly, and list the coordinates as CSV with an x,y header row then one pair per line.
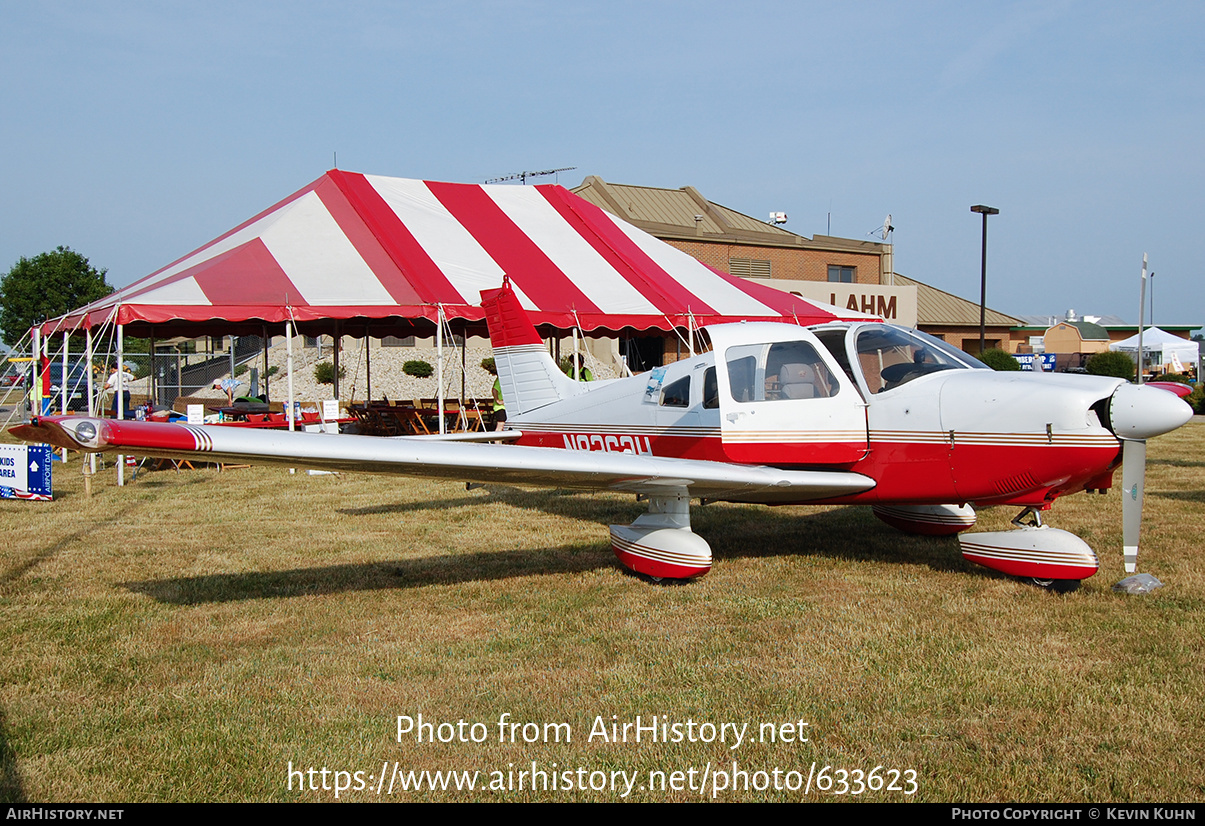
x,y
676,394
786,370
711,390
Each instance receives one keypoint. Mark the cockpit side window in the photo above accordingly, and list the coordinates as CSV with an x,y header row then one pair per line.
x,y
778,371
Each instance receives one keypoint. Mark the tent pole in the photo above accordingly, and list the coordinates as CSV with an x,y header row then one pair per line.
x,y
35,371
91,399
63,384
119,400
573,358
66,380
367,365
289,364
439,370
338,347
153,384
266,394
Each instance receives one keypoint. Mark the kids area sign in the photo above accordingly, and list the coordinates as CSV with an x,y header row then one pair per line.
x,y
25,472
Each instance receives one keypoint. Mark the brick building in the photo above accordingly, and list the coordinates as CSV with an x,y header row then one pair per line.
x,y
850,273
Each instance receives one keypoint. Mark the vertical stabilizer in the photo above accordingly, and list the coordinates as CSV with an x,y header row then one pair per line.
x,y
528,375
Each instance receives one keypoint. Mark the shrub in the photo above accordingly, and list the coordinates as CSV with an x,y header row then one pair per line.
x,y
418,368
998,359
324,373
1111,363
1195,399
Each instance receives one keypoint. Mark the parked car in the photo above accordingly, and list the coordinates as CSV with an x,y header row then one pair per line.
x,y
77,384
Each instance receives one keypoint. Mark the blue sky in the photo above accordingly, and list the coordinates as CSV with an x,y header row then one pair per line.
x,y
134,132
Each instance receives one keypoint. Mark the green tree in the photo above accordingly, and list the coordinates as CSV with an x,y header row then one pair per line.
x,y
46,286
997,359
1111,363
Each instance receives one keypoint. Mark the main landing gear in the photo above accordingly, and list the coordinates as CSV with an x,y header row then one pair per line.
x,y
660,543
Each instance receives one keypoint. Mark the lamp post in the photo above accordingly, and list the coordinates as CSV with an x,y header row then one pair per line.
x,y
1151,276
984,211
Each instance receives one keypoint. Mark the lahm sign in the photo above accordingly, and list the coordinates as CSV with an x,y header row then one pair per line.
x,y
894,304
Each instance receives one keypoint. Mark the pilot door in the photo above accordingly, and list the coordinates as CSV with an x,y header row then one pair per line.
x,y
783,401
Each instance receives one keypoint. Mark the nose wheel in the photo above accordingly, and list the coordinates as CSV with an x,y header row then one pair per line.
x,y
1035,553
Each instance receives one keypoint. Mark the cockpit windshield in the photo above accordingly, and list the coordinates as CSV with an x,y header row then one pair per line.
x,y
892,356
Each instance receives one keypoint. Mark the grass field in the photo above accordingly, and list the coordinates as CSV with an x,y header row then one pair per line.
x,y
190,635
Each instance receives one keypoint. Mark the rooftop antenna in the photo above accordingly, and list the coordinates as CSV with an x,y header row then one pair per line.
x,y
522,177
884,230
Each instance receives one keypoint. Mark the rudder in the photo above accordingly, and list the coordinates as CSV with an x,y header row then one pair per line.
x,y
526,372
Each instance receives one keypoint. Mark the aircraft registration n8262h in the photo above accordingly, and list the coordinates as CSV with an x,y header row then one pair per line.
x,y
839,413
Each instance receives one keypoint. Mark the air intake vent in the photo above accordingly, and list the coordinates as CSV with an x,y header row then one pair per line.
x,y
1022,481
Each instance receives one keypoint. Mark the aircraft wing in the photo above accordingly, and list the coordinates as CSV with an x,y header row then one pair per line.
x,y
498,463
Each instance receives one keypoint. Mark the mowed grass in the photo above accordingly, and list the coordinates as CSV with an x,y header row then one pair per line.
x,y
188,636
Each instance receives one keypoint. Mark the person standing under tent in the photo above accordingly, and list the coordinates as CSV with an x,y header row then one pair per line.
x,y
119,381
583,372
499,404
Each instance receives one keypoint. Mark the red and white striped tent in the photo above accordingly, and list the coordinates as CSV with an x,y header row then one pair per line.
x,y
383,255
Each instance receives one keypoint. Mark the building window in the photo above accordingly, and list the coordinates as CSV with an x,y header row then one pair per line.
x,y
749,267
397,341
842,275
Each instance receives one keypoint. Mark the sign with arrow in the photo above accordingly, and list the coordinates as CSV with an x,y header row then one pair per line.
x,y
25,472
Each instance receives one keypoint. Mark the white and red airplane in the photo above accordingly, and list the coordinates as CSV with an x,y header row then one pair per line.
x,y
838,413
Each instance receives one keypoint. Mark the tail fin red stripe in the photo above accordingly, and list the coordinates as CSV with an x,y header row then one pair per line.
x,y
507,320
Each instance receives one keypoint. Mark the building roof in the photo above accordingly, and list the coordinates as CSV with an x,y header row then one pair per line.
x,y
670,214
1089,331
934,306
1107,323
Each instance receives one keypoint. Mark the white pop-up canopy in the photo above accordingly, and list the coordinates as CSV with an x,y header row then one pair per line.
x,y
1160,345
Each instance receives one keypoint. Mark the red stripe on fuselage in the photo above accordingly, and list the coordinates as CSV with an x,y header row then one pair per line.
x,y
150,435
905,473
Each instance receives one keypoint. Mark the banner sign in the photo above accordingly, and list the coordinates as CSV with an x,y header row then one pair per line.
x,y
1027,359
25,472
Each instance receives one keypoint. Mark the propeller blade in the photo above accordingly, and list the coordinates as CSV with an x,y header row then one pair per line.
x,y
1133,479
